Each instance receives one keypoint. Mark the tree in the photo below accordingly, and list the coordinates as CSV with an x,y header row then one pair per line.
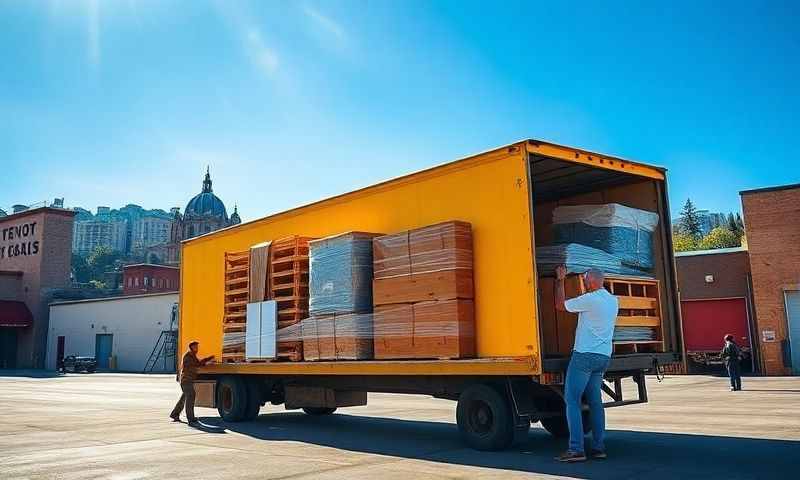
x,y
101,260
683,242
81,272
720,237
690,221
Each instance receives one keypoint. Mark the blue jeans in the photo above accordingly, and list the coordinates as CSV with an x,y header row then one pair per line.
x,y
585,377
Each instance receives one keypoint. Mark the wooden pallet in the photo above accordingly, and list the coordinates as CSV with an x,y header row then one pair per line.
x,y
288,286
235,301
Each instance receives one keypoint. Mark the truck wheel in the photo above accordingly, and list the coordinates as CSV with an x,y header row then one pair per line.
x,y
232,398
253,401
318,411
557,426
484,418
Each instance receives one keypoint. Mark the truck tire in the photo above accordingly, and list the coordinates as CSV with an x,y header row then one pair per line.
x,y
253,401
484,418
557,426
318,411
232,398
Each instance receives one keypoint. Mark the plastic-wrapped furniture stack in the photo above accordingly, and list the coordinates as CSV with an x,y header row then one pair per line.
x,y
624,232
423,293
579,258
340,305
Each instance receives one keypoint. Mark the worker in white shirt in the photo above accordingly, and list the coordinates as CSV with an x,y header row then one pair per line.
x,y
597,313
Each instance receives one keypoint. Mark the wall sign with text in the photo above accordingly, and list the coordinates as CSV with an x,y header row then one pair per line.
x,y
19,240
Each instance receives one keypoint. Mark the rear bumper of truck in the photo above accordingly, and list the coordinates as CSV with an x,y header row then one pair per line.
x,y
619,363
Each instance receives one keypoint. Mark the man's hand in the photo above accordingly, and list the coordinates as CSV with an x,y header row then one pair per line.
x,y
561,272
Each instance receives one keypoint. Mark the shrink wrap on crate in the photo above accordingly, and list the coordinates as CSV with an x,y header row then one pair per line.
x,y
579,258
429,263
624,232
341,274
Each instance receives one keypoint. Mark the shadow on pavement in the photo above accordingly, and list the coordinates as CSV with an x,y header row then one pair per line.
x,y
631,454
30,373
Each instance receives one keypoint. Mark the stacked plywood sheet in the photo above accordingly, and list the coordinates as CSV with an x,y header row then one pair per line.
x,y
423,293
288,286
340,325
235,306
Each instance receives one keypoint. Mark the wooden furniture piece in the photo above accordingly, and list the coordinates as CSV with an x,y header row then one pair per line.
x,y
639,306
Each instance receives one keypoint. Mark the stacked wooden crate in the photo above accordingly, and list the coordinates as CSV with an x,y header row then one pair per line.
x,y
423,293
288,286
235,305
639,308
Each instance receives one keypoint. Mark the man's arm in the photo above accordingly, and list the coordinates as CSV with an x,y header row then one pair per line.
x,y
561,296
206,360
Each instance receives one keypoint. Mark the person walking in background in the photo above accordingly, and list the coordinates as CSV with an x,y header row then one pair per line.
x,y
597,313
731,354
186,375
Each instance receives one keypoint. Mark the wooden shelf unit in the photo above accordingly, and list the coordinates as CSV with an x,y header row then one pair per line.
x,y
639,306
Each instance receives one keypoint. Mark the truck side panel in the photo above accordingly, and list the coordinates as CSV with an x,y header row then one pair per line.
x,y
489,190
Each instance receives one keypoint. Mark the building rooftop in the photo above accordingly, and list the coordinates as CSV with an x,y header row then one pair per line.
x,y
716,251
770,189
156,265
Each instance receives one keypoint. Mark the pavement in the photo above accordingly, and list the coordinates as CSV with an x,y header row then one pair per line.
x,y
116,426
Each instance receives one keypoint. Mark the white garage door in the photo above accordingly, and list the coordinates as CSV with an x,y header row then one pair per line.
x,y
793,316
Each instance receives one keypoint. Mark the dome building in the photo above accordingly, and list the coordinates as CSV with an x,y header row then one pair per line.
x,y
204,213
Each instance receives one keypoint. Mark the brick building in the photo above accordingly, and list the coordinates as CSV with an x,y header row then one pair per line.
x,y
35,255
716,300
148,278
772,226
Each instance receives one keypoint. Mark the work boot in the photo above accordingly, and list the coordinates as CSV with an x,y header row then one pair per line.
x,y
598,454
570,457
175,419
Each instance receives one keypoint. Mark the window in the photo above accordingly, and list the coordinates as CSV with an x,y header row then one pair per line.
x,y
136,281
146,278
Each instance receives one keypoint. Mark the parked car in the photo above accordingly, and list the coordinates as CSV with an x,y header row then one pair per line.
x,y
77,364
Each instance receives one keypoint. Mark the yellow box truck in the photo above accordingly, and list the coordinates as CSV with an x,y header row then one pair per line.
x,y
507,195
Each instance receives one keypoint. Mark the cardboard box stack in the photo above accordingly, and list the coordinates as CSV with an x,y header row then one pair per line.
x,y
340,306
423,293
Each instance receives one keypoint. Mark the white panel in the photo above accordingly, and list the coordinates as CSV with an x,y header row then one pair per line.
x,y
269,327
793,316
252,346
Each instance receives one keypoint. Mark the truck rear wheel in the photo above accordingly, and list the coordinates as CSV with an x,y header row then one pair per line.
x,y
484,418
557,426
318,411
232,398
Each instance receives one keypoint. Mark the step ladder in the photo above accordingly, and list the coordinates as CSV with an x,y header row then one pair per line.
x,y
164,350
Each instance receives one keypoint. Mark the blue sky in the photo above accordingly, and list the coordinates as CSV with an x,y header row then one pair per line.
x,y
115,102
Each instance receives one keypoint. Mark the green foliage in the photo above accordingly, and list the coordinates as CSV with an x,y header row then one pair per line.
x,y
683,242
720,237
97,284
80,269
690,221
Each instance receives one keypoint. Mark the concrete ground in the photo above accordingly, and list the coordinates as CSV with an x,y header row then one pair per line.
x,y
115,426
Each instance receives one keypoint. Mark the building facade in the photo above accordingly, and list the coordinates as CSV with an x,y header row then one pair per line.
x,y
150,230
772,228
120,332
146,278
35,256
716,300
90,234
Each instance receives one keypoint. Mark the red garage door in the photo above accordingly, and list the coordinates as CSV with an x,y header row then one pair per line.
x,y
706,322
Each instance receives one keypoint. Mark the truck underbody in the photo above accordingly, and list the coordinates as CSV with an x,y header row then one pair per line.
x,y
493,408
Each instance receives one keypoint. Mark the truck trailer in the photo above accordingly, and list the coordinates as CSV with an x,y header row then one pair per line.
x,y
516,377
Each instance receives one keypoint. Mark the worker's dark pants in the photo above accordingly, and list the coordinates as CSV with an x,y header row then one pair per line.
x,y
187,399
735,374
